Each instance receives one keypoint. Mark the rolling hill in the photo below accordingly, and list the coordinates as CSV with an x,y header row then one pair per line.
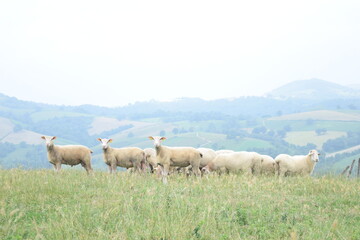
x,y
314,89
264,124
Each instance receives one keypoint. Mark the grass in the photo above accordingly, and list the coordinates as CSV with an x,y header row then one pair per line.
x,y
44,205
339,166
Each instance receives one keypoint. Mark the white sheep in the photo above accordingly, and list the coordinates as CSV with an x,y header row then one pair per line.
x,y
208,155
248,162
129,157
224,151
150,157
176,157
267,165
67,154
296,165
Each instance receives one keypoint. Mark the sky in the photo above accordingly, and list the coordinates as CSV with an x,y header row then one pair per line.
x,y
112,53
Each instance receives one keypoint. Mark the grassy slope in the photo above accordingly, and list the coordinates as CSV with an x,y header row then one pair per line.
x,y
302,138
340,165
46,115
321,115
45,205
297,125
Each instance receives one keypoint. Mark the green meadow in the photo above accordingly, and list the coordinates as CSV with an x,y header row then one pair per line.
x,y
42,204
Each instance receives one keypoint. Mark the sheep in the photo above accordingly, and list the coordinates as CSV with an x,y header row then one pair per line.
x,y
175,156
150,157
129,157
248,162
267,165
68,154
296,165
224,151
151,161
208,155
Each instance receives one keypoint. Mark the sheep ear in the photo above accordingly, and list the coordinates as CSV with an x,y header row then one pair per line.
x,y
151,138
53,138
99,139
163,138
110,140
43,137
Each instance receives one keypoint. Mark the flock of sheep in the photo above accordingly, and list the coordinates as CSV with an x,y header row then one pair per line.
x,y
164,159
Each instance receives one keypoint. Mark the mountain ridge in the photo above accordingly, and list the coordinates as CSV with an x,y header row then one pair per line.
x,y
313,89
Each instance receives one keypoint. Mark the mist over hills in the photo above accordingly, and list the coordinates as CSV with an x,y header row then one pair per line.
x,y
314,89
304,95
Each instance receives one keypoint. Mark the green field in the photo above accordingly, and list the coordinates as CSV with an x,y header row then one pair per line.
x,y
302,138
42,204
46,115
298,125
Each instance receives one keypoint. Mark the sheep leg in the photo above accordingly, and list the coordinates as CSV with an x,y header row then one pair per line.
x,y
137,166
195,165
249,171
159,171
110,169
143,167
87,168
197,171
58,167
165,172
113,167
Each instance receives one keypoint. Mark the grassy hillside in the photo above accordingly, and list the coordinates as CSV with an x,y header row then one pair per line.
x,y
324,115
44,205
269,126
304,137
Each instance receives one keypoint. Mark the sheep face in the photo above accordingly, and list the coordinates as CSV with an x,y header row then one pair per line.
x,y
157,140
205,170
105,142
314,155
49,140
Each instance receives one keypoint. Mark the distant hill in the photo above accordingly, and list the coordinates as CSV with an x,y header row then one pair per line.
x,y
314,89
320,115
269,125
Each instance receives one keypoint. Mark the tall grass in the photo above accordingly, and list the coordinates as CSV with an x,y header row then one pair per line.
x,y
42,204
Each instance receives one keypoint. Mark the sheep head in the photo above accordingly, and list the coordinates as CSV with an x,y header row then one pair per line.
x,y
157,140
105,142
314,155
49,140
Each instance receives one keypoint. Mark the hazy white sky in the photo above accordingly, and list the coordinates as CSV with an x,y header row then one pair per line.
x,y
111,53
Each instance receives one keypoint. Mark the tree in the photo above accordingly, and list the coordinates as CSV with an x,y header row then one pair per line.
x,y
259,130
309,121
175,131
215,146
281,133
271,133
287,128
320,131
